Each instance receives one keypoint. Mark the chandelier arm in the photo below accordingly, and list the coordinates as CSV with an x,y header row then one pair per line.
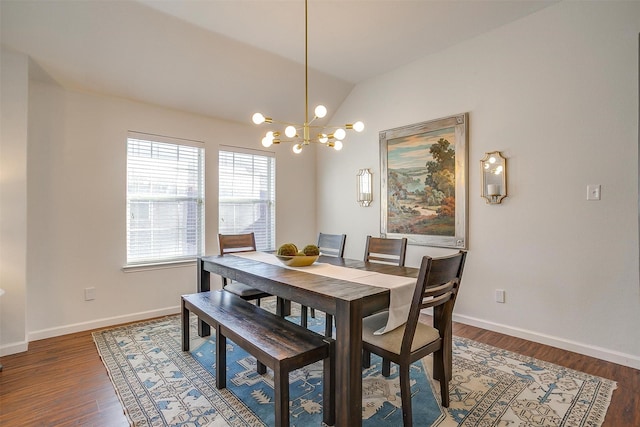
x,y
281,122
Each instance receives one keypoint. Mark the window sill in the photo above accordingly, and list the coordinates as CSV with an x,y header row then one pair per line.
x,y
134,268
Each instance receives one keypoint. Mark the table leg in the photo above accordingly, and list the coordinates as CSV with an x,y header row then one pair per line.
x,y
348,358
185,327
204,285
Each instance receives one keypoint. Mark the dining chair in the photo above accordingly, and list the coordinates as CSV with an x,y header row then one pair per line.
x,y
437,286
329,245
332,244
234,243
386,251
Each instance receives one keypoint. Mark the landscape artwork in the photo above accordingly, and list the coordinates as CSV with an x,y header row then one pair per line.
x,y
424,182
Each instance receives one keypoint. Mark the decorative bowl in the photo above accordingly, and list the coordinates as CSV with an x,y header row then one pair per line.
x,y
297,260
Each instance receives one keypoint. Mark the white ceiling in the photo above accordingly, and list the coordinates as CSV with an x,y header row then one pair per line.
x,y
230,58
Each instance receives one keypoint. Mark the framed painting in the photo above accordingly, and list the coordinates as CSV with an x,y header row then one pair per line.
x,y
424,182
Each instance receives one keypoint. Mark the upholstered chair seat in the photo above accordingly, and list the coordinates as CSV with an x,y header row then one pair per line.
x,y
392,340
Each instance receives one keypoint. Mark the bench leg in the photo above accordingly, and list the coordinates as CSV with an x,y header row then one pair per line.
x,y
221,359
185,328
281,393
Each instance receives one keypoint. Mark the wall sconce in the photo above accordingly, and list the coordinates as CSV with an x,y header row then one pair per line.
x,y
494,177
364,187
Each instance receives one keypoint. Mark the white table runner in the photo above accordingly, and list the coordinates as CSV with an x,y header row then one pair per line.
x,y
401,288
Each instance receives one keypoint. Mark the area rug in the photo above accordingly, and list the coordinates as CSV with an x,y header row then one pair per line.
x,y
160,385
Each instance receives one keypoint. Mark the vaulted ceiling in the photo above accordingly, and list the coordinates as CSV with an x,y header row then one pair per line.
x,y
230,58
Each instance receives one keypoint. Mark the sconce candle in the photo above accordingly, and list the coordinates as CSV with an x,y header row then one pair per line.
x,y
364,187
493,190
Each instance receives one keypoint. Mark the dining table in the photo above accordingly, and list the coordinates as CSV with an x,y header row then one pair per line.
x,y
346,296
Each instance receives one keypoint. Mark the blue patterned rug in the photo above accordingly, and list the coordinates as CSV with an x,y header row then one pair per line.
x,y
160,385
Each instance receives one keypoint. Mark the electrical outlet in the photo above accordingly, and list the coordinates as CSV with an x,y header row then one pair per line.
x,y
500,295
89,294
593,191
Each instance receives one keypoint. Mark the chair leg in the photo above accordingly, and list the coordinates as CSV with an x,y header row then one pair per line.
x,y
304,312
283,307
328,326
405,395
438,365
261,368
444,393
386,367
366,358
258,302
442,373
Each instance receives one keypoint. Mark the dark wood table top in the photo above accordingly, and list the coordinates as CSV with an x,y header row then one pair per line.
x,y
312,290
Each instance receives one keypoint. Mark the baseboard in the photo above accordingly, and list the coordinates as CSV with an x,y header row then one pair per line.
x,y
100,323
624,359
13,348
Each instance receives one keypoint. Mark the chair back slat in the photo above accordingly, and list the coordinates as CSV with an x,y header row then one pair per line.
x,y
436,295
332,244
436,300
385,251
230,243
437,286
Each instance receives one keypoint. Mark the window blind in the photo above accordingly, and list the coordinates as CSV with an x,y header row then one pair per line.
x,y
247,201
165,201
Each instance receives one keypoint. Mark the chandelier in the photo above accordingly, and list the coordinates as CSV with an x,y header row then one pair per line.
x,y
301,134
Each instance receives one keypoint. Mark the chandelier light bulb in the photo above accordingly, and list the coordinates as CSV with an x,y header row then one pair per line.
x,y
323,138
258,118
321,111
290,131
297,148
339,134
338,145
358,126
266,142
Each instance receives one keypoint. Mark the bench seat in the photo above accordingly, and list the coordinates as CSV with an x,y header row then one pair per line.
x,y
277,343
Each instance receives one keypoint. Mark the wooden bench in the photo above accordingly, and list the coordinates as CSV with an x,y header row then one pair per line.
x,y
279,344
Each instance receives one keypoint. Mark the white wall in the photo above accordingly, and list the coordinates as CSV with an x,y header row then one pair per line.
x,y
76,209
13,200
557,93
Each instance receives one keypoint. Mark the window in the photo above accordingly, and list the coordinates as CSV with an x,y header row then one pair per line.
x,y
247,196
165,199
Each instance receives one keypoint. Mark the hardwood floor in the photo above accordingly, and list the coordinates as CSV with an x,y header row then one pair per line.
x,y
62,382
